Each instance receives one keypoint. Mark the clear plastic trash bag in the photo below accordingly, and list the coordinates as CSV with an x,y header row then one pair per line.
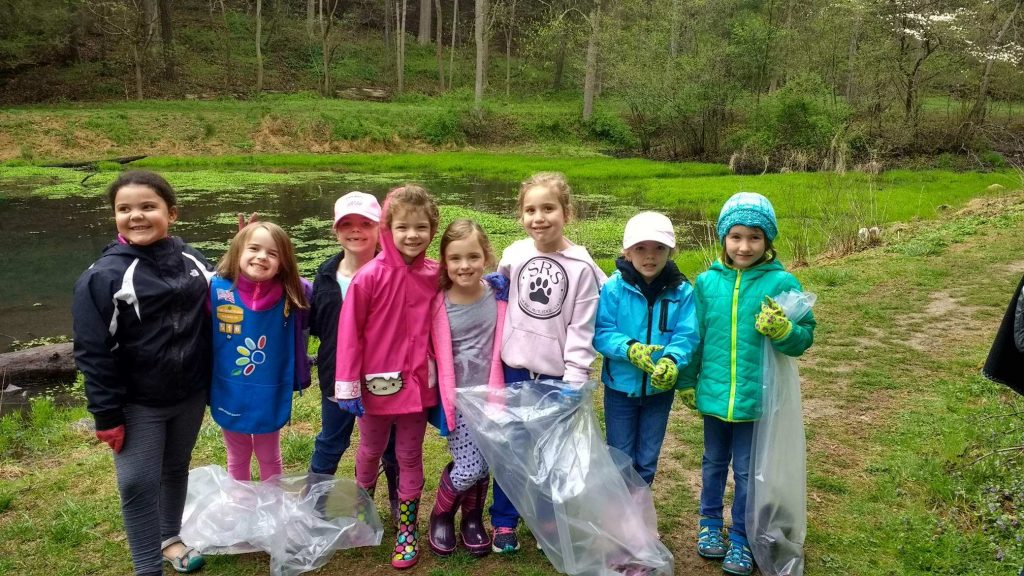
x,y
777,490
300,521
589,510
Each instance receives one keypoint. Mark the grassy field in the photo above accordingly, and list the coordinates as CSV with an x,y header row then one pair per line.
x,y
905,473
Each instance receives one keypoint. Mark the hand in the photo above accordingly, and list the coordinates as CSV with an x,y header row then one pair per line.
x,y
113,437
640,355
242,222
665,374
772,321
689,398
352,406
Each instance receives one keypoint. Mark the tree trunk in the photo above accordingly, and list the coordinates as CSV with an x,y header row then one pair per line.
x,y
510,19
259,46
389,21
480,33
851,55
229,69
77,32
137,56
149,17
311,6
167,40
451,54
590,80
677,17
423,37
439,44
50,362
560,61
400,22
976,116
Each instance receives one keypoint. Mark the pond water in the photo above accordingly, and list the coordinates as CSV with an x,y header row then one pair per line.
x,y
46,243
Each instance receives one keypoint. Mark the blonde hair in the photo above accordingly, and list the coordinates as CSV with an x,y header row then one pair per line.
x,y
288,269
407,198
554,181
460,230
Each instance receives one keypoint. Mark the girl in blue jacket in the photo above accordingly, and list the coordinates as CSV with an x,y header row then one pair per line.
x,y
646,331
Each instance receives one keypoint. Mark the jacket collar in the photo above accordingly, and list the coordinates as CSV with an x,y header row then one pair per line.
x,y
669,279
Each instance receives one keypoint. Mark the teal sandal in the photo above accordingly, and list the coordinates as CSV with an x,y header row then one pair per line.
x,y
189,560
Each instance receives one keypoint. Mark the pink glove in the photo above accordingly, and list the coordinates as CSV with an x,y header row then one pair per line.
x,y
113,437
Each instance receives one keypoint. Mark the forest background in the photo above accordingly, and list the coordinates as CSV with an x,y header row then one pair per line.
x,y
796,85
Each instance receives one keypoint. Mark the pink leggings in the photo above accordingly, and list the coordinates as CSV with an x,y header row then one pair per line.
x,y
374,432
241,448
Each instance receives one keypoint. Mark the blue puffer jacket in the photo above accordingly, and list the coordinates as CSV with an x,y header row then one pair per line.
x,y
624,316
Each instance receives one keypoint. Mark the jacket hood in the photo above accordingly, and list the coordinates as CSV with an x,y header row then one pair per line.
x,y
389,253
168,245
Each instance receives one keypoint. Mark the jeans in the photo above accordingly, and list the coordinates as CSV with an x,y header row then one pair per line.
x,y
636,426
503,512
725,441
336,436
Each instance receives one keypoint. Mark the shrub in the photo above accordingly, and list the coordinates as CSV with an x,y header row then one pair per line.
x,y
610,129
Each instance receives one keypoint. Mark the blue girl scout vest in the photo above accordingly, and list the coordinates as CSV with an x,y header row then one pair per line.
x,y
253,363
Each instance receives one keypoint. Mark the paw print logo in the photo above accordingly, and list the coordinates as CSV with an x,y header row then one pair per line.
x,y
540,291
543,285
250,356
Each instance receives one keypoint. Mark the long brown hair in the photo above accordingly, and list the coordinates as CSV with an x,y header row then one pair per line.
x,y
288,269
460,230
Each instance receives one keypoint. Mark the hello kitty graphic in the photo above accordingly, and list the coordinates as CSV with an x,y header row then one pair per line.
x,y
543,286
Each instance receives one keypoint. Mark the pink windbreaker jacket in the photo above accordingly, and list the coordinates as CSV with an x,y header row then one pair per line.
x,y
383,333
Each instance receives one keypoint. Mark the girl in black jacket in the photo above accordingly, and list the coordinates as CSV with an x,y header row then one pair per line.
x,y
142,340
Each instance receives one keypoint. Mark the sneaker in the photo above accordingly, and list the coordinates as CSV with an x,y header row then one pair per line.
x,y
505,540
710,539
738,560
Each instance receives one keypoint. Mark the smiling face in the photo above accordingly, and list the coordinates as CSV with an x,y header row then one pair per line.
x,y
744,246
411,232
260,260
544,218
141,215
648,257
464,262
357,234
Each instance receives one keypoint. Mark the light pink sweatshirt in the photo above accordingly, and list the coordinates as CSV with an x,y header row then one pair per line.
x,y
552,308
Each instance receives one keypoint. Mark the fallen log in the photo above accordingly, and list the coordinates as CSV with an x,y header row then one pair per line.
x,y
53,362
91,164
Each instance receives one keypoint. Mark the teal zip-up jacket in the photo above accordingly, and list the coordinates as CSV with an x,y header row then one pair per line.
x,y
624,316
727,365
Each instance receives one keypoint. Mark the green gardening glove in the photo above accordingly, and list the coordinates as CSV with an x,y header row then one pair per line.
x,y
665,374
639,355
689,398
772,321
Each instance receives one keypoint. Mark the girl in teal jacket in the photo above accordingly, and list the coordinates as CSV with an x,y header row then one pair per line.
x,y
735,312
646,330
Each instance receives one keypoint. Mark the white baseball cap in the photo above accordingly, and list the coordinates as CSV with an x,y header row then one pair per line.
x,y
359,203
649,226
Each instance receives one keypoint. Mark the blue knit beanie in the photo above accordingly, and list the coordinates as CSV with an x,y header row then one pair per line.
x,y
747,209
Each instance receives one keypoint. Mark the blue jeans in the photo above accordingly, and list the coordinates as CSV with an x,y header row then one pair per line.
x,y
637,426
503,512
336,436
725,441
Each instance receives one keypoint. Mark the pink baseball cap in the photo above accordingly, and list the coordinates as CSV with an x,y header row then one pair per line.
x,y
649,226
359,203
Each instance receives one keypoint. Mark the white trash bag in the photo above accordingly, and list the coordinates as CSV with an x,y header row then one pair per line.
x,y
777,490
300,521
590,511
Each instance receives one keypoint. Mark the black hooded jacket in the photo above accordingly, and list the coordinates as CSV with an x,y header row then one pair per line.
x,y
141,327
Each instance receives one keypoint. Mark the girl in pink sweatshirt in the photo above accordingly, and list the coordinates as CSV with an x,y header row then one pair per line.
x,y
552,309
381,372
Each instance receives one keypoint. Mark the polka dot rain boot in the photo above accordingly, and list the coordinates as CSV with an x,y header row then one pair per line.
x,y
407,540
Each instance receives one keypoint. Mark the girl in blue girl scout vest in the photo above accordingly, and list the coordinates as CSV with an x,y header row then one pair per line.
x,y
260,328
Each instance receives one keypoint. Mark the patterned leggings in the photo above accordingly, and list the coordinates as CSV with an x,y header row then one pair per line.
x,y
470,466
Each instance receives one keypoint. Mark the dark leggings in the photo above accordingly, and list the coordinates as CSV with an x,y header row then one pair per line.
x,y
152,475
